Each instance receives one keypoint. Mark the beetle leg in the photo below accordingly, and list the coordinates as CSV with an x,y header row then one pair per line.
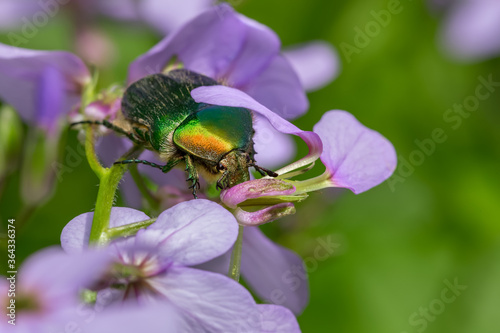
x,y
164,168
220,181
264,171
192,174
111,126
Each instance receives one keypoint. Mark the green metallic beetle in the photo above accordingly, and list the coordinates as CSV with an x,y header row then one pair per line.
x,y
159,114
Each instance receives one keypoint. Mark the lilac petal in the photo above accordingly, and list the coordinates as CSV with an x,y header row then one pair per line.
x,y
235,50
217,265
175,178
209,302
207,44
167,15
75,235
226,96
316,63
274,273
130,192
357,157
60,275
260,47
119,9
24,75
279,89
152,318
50,98
111,147
192,232
471,31
274,149
278,319
13,11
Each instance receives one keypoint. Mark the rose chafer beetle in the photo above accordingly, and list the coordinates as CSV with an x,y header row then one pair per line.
x,y
159,114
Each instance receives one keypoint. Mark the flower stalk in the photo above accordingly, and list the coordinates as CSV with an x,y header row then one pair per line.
x,y
235,264
109,180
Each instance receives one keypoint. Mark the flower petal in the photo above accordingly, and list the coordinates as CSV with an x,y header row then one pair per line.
x,y
275,274
219,264
316,63
75,235
207,45
60,275
153,318
167,15
274,148
209,302
259,48
26,75
118,9
192,232
50,98
232,49
13,11
278,319
279,89
226,96
471,30
357,157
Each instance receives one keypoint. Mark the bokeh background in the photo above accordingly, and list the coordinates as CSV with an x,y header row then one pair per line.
x,y
397,244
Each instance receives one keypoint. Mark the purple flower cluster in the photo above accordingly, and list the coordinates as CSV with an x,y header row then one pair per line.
x,y
148,276
169,273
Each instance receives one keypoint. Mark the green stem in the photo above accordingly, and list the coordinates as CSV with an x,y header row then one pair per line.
x,y
234,268
313,184
109,181
88,95
92,158
128,229
105,197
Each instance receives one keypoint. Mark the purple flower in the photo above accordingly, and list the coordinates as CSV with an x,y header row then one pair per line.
x,y
233,49
154,267
47,289
274,273
316,63
355,156
470,30
41,85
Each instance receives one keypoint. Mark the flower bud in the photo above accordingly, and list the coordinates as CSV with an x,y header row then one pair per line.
x,y
38,173
265,199
10,139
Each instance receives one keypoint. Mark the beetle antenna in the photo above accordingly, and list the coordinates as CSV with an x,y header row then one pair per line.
x,y
264,171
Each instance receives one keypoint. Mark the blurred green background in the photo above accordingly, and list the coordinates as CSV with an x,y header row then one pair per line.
x,y
398,243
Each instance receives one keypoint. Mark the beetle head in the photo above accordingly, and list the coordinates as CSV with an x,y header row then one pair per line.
x,y
234,166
